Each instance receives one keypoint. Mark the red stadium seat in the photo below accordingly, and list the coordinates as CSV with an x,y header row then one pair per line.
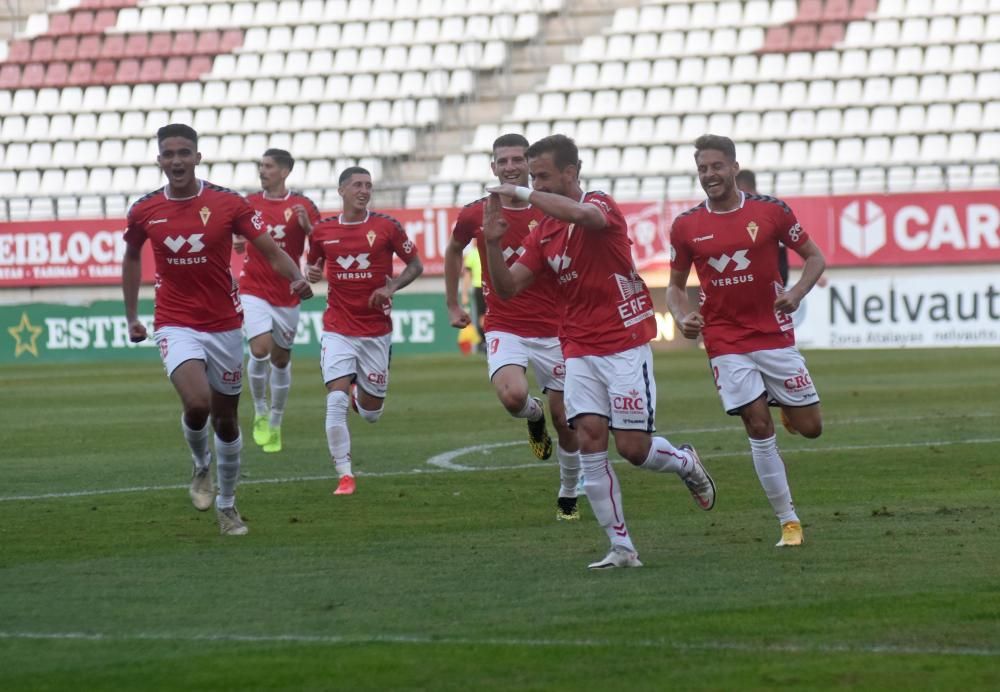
x,y
803,37
81,73
776,39
113,46
809,11
19,51
56,74
161,44
208,43
830,34
198,66
184,42
861,8
66,48
105,19
231,40
10,76
42,49
88,48
176,70
83,22
151,70
137,46
33,76
104,72
128,71
837,10
59,24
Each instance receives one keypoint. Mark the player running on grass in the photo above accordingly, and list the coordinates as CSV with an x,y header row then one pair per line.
x,y
271,311
190,224
521,331
608,323
357,247
745,314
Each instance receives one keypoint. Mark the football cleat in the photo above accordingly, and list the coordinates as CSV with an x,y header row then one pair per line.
x,y
538,436
346,486
201,491
230,522
618,557
698,482
567,509
273,443
787,422
791,535
261,429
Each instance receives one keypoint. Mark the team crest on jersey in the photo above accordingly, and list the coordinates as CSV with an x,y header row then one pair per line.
x,y
371,238
752,229
204,213
288,213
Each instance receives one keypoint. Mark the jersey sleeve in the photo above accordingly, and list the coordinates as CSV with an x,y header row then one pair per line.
x,y
135,231
680,253
316,244
466,225
790,231
312,211
247,221
608,208
405,248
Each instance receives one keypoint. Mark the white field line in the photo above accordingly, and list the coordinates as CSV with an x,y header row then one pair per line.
x,y
443,464
890,649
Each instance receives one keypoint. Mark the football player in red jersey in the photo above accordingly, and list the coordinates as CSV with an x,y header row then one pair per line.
x,y
522,331
357,248
270,309
745,314
607,325
190,224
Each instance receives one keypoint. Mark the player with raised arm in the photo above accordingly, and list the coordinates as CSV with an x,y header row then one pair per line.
x,y
521,331
190,224
745,316
271,310
357,248
608,323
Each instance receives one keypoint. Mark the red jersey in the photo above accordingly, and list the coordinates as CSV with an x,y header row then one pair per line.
x,y
535,311
257,277
358,259
192,242
608,308
736,255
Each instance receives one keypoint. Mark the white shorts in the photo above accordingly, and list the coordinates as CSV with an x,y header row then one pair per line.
x,y
365,357
780,373
222,353
260,317
544,354
619,387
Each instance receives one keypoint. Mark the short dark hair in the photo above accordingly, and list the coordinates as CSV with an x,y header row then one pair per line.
x,y
351,170
510,140
718,143
177,130
281,157
563,149
746,179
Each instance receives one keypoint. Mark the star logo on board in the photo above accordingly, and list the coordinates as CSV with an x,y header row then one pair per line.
x,y
752,229
371,238
26,335
288,213
204,213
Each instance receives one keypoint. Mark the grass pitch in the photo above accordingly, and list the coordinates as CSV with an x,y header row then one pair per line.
x,y
462,579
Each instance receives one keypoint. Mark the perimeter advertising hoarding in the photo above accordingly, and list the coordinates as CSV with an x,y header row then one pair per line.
x,y
858,230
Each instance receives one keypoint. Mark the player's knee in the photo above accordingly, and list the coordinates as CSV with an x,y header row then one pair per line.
x,y
809,428
370,415
513,399
196,412
760,428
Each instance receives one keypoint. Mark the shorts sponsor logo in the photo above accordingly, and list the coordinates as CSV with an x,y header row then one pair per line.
x,y
799,382
232,376
630,403
559,370
378,378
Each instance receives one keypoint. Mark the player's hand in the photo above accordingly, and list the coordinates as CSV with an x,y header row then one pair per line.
x,y
507,190
239,244
494,224
381,297
459,317
136,331
301,215
302,289
787,302
314,272
692,324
